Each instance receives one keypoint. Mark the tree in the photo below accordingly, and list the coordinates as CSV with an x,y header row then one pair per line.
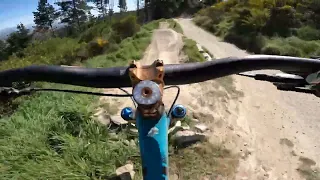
x,y
110,10
45,15
18,40
3,50
74,12
101,5
122,5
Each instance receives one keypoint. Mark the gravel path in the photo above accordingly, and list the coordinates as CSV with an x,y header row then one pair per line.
x,y
281,130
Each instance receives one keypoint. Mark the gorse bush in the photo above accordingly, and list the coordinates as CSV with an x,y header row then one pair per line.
x,y
249,25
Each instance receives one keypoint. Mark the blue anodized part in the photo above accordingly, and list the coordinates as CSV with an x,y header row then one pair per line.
x,y
179,111
153,143
127,113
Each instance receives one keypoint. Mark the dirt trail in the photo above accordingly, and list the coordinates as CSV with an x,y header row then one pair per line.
x,y
276,131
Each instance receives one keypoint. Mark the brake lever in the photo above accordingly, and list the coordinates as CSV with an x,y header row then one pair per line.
x,y
289,82
279,78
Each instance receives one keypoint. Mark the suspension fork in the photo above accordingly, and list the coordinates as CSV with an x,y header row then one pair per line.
x,y
151,119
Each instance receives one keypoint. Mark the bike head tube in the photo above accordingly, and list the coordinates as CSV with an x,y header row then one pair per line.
x,y
153,142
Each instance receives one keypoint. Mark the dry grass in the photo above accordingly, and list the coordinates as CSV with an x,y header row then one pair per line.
x,y
203,160
309,173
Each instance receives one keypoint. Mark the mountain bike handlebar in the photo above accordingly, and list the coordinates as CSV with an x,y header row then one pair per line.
x,y
175,74
151,119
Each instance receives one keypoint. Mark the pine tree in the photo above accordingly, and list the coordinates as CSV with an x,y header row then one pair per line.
x,y
18,40
122,5
101,5
45,15
74,12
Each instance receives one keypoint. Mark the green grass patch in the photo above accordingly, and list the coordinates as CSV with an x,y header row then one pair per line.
x,y
191,50
175,26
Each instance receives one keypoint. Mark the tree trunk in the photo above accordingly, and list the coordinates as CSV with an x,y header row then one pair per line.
x,y
138,7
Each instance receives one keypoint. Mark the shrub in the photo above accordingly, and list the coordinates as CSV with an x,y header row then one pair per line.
x,y
101,29
291,51
282,19
126,27
52,51
271,50
200,20
307,47
223,27
308,33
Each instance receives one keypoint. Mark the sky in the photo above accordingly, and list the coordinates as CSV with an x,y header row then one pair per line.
x,y
12,12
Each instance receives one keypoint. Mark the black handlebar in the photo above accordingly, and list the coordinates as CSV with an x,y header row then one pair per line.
x,y
175,74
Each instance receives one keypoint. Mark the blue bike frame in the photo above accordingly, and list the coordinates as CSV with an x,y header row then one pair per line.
x,y
153,141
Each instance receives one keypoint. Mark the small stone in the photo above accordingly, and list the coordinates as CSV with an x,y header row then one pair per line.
x,y
195,115
201,127
104,119
118,120
100,111
113,136
231,127
245,144
126,142
250,151
185,138
125,172
177,127
132,143
174,177
133,131
186,127
195,120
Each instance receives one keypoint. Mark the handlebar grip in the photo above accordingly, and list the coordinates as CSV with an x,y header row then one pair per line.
x,y
90,77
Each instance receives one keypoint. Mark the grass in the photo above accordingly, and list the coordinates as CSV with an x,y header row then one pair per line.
x,y
175,26
191,50
203,160
309,173
52,135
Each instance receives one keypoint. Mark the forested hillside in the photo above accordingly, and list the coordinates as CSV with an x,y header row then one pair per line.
x,y
278,27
